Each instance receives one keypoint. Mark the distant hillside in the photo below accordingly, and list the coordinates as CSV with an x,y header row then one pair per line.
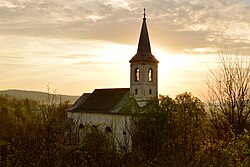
x,y
35,95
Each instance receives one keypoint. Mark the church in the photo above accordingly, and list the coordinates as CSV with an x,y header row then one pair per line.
x,y
143,83
112,108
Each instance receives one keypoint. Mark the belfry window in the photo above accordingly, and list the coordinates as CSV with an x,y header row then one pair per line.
x,y
150,75
137,74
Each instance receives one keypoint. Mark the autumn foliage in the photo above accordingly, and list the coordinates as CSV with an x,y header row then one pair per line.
x,y
166,132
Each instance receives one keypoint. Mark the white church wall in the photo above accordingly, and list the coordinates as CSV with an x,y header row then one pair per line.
x,y
119,124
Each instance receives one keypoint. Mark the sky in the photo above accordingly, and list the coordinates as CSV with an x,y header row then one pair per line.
x,y
76,46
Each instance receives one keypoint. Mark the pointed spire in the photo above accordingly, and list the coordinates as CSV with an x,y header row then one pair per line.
x,y
144,48
144,43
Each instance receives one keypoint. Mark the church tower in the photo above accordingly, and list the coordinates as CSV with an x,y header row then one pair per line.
x,y
143,70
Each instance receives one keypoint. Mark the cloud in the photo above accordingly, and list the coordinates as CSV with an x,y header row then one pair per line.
x,y
82,41
176,25
76,56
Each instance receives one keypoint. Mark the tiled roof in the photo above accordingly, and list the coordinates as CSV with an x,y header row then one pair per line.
x,y
104,100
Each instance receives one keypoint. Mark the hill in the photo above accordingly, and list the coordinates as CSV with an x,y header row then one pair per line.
x,y
38,96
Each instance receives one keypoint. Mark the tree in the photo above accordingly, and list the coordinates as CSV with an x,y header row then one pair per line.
x,y
169,133
229,93
187,130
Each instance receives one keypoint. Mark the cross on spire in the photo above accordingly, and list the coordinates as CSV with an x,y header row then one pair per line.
x,y
144,14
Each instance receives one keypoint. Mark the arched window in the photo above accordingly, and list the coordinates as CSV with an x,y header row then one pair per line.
x,y
137,74
136,91
150,91
81,126
150,75
108,129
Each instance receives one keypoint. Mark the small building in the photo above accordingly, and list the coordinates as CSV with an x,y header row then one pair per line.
x,y
112,108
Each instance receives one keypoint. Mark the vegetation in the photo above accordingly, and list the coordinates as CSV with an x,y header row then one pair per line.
x,y
169,132
180,131
229,92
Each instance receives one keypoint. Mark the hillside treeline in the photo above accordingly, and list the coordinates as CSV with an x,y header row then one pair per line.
x,y
178,131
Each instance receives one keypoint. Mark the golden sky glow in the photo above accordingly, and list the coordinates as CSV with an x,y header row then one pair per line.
x,y
80,45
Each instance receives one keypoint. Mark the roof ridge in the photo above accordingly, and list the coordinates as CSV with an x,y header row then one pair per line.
x,y
111,89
